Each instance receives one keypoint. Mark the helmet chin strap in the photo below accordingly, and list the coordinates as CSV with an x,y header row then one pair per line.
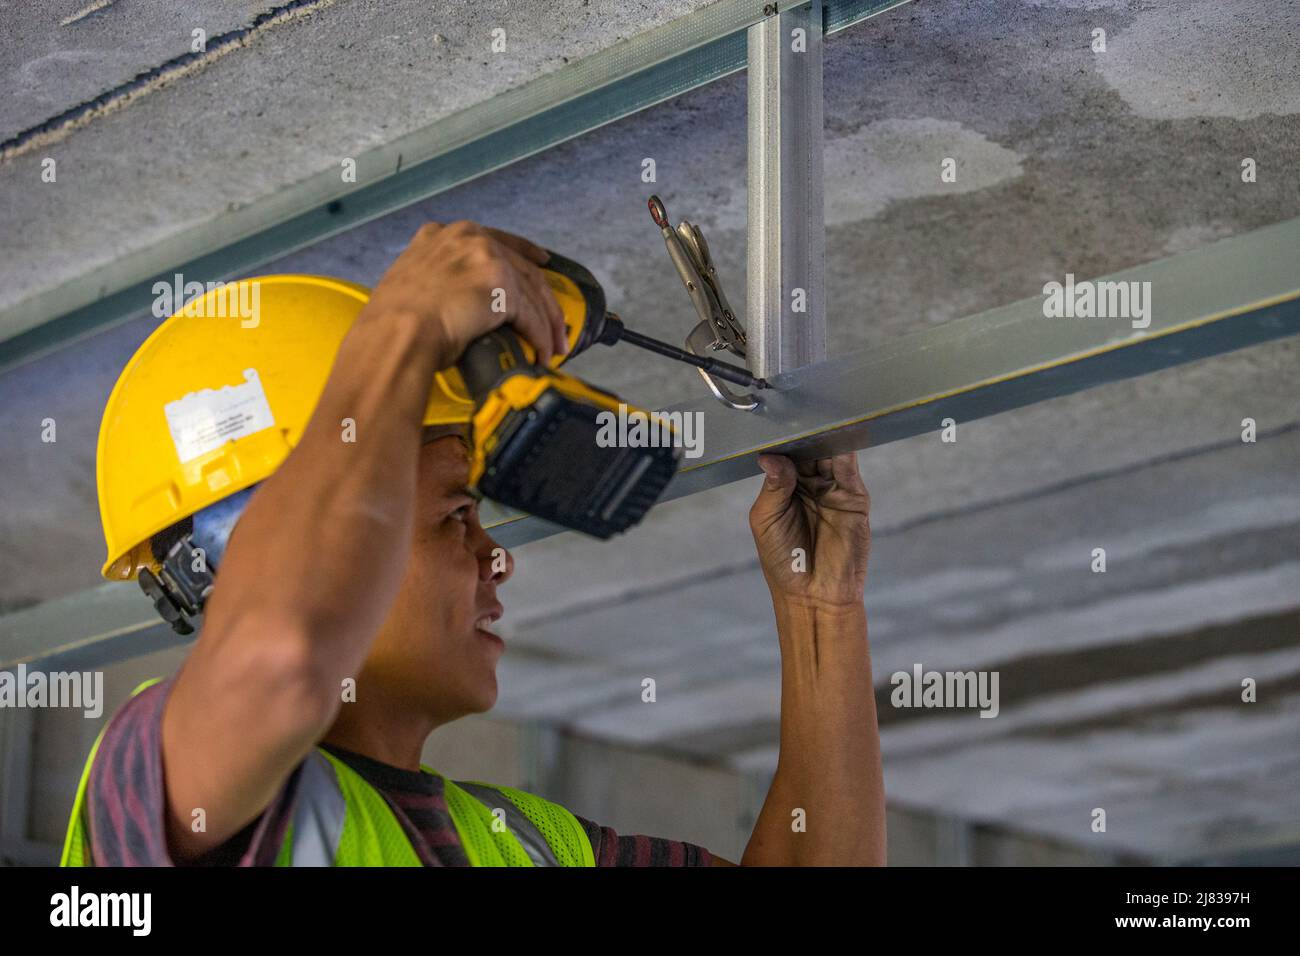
x,y
188,573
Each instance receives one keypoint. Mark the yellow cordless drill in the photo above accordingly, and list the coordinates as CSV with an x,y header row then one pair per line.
x,y
537,431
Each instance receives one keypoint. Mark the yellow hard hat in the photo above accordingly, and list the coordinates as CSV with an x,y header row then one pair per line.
x,y
216,397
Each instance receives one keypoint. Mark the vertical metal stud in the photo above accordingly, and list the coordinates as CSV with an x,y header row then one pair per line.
x,y
786,301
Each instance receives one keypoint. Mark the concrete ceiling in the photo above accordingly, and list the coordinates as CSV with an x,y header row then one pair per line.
x,y
1120,690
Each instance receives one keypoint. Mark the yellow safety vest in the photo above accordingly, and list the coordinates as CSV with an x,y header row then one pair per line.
x,y
341,820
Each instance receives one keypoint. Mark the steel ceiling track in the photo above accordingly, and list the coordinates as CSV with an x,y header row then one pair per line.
x,y
1234,293
1237,292
658,65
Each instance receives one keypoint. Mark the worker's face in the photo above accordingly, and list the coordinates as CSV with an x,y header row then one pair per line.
x,y
437,651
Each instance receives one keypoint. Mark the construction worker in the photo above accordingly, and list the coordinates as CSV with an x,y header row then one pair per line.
x,y
353,605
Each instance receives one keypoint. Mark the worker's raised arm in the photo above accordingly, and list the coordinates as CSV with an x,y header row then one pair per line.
x,y
826,805
317,557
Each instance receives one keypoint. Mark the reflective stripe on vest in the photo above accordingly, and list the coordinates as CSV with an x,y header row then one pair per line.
x,y
317,826
529,837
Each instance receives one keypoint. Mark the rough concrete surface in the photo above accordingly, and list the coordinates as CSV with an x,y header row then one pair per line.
x,y
301,99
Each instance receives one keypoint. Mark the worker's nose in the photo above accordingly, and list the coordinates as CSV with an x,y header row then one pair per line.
x,y
495,563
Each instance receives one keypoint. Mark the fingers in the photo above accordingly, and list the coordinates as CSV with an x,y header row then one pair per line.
x,y
844,468
814,475
530,250
778,487
549,325
849,479
466,256
820,475
780,471
427,233
526,315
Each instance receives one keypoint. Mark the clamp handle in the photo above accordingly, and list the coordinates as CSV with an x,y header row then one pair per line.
x,y
718,327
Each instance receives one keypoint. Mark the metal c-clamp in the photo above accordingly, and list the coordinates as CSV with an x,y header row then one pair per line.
x,y
718,328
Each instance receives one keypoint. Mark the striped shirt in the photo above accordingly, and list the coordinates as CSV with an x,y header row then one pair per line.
x,y
128,812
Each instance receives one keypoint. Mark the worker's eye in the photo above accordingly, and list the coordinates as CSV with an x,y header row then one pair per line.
x,y
463,513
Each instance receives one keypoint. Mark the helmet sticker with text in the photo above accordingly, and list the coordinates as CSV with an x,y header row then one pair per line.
x,y
207,419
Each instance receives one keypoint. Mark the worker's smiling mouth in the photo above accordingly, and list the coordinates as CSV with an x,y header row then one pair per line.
x,y
483,624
